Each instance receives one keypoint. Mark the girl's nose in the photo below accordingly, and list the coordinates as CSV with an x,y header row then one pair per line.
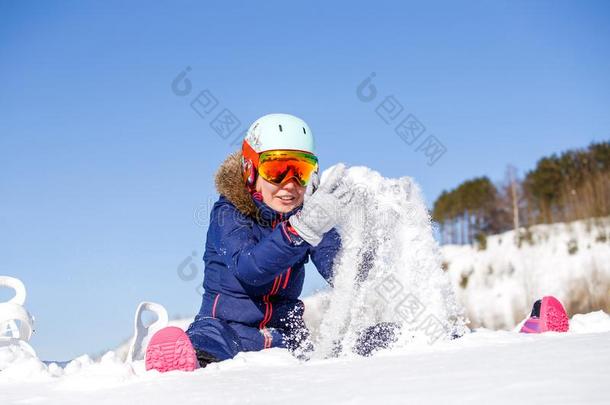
x,y
290,184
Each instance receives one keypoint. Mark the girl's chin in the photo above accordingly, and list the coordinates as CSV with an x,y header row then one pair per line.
x,y
284,208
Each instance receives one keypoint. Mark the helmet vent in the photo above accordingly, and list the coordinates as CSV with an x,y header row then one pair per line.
x,y
305,132
280,125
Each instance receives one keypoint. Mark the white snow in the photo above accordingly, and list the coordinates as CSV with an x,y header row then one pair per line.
x,y
483,366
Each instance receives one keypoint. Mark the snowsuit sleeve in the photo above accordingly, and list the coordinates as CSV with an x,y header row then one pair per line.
x,y
254,262
324,254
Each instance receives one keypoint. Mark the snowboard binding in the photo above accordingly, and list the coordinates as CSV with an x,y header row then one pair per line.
x,y
142,333
16,323
163,348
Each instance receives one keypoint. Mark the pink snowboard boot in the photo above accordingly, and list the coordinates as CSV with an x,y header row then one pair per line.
x,y
170,349
547,315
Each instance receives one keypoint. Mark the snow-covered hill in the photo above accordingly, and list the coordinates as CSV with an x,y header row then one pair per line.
x,y
498,285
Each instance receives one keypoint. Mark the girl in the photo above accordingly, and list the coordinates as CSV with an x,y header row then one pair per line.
x,y
262,232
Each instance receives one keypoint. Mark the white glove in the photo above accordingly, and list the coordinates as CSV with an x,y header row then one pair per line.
x,y
322,210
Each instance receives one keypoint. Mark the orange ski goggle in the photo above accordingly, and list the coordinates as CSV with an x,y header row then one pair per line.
x,y
279,166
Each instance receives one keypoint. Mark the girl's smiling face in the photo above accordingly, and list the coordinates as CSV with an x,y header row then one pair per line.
x,y
283,198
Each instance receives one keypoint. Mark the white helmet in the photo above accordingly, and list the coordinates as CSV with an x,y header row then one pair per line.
x,y
280,131
273,132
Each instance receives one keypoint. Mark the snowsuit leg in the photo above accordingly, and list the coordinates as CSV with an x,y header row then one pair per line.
x,y
214,337
223,340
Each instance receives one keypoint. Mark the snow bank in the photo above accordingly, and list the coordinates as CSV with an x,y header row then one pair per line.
x,y
593,322
498,285
480,365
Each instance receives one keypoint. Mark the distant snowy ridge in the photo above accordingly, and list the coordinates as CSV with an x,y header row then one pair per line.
x,y
498,285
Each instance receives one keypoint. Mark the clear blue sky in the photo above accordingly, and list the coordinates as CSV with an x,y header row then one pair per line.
x,y
102,166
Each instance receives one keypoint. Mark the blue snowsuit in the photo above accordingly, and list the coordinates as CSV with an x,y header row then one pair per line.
x,y
254,273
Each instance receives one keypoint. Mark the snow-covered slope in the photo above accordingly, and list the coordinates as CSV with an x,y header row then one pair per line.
x,y
498,285
484,366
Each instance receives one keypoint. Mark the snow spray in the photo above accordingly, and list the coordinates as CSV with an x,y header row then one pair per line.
x,y
388,270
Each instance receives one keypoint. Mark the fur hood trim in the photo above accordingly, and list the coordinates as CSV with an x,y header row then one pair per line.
x,y
230,183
